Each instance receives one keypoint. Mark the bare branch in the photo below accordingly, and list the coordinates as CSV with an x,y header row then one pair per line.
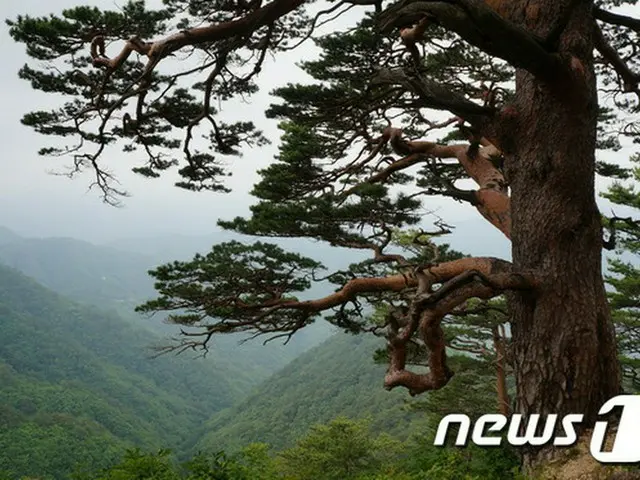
x,y
617,19
629,79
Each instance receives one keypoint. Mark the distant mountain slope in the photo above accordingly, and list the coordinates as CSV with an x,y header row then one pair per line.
x,y
333,379
60,360
82,271
7,236
112,278
164,248
182,247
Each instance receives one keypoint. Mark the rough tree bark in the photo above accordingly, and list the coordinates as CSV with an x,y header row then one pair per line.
x,y
499,338
563,337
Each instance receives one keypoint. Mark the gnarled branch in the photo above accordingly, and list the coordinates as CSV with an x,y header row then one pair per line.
x,y
241,27
100,59
491,199
482,27
629,79
238,287
426,314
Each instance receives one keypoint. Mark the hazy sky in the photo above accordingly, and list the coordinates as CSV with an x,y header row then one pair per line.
x,y
35,203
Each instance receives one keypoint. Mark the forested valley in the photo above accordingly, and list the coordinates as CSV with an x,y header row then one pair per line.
x,y
85,396
80,381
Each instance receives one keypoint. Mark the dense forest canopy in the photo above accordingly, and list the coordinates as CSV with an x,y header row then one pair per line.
x,y
533,90
79,389
81,380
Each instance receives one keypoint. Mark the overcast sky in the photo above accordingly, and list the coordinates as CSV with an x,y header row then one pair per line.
x,y
35,203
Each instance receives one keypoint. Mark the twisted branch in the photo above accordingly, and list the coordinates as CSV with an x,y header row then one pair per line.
x,y
426,314
491,199
629,79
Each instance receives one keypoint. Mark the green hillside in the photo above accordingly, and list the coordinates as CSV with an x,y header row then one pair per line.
x,y
51,428
116,279
86,375
337,378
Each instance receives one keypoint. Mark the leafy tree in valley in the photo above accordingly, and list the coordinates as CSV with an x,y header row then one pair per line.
x,y
362,149
470,463
137,464
342,449
337,450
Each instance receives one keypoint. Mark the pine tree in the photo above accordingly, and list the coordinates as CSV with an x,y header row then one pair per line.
x,y
361,150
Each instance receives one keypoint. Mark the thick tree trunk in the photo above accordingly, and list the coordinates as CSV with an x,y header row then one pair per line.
x,y
504,404
563,338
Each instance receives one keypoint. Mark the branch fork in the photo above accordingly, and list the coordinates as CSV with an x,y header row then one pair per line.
x,y
134,44
426,314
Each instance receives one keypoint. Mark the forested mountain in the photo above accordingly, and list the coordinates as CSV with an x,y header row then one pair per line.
x,y
51,428
81,271
113,277
86,377
336,378
78,378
